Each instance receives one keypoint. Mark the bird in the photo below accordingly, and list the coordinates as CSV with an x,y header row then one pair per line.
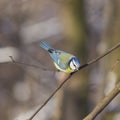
x,y
63,61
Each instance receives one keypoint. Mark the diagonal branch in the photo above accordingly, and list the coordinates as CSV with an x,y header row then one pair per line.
x,y
103,103
83,66
108,52
58,88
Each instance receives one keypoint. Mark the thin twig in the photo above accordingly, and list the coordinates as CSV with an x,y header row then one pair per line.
x,y
103,103
83,66
30,65
109,51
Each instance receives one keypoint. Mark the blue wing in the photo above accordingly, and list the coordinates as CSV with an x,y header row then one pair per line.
x,y
56,57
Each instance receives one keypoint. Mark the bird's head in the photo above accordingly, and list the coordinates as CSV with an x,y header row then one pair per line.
x,y
74,63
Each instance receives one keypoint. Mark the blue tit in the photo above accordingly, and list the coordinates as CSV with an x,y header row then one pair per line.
x,y
63,61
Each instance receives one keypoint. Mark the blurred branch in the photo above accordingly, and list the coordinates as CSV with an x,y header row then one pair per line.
x,y
103,103
83,66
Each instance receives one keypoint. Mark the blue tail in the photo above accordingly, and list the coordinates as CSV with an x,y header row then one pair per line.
x,y
45,45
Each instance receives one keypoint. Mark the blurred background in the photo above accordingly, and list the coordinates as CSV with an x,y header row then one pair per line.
x,y
85,28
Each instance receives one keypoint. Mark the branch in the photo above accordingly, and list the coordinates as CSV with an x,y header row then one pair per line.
x,y
30,65
108,52
60,86
103,103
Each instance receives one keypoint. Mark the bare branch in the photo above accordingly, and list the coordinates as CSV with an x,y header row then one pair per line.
x,y
83,66
30,65
58,88
103,103
108,52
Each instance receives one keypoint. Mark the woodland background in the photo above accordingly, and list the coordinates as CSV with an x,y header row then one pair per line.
x,y
85,28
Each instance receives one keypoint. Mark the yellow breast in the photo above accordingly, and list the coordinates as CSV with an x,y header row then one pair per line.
x,y
68,70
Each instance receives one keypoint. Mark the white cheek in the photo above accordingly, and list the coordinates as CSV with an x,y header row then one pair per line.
x,y
72,66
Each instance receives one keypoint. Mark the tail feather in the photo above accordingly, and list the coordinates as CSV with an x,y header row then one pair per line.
x,y
45,45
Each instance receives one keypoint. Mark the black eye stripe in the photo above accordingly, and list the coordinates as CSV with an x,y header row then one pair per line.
x,y
73,63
